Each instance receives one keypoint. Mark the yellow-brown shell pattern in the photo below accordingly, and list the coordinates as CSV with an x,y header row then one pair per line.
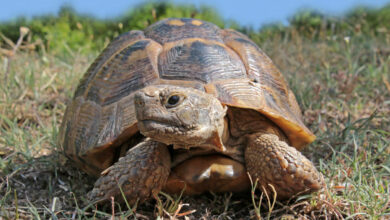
x,y
185,52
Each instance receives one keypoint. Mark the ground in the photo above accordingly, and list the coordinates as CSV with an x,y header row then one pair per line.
x,y
341,83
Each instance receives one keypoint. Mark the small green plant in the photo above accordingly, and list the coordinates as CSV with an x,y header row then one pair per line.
x,y
172,206
270,202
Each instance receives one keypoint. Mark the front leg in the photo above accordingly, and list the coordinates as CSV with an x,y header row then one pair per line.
x,y
141,174
274,162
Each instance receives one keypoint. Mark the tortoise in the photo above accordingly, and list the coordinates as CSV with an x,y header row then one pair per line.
x,y
185,106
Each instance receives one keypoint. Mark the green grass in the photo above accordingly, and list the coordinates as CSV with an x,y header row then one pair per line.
x,y
341,82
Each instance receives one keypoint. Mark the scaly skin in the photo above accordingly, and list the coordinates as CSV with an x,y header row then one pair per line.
x,y
141,174
274,162
197,120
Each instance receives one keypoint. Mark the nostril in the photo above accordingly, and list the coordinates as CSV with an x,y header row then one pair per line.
x,y
138,100
139,103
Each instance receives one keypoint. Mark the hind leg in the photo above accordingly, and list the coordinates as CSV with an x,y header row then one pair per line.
x,y
141,174
274,162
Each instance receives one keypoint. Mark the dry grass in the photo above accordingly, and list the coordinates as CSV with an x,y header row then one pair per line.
x,y
342,85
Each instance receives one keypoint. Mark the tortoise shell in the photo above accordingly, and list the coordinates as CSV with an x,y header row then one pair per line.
x,y
184,52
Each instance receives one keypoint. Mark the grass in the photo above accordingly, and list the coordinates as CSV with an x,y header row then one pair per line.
x,y
341,82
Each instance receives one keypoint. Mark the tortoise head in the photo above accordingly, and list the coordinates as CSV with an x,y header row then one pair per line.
x,y
184,117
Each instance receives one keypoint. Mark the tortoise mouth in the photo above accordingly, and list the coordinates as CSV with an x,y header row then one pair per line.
x,y
154,121
158,124
162,130
178,136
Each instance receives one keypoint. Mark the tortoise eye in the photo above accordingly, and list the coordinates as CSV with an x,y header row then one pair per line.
x,y
173,101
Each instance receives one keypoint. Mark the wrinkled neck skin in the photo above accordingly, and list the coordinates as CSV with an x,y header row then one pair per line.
x,y
215,139
197,119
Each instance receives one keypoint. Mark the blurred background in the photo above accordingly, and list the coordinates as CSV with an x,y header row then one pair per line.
x,y
255,13
75,24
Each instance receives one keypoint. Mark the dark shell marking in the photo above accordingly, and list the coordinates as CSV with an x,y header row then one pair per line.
x,y
185,52
202,61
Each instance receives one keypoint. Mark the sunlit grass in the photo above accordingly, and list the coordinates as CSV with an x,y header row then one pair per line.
x,y
340,85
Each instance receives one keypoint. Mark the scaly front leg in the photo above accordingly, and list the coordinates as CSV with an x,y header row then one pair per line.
x,y
141,174
274,162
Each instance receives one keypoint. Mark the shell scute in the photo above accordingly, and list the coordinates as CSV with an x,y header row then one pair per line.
x,y
278,101
175,29
116,45
124,73
200,60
